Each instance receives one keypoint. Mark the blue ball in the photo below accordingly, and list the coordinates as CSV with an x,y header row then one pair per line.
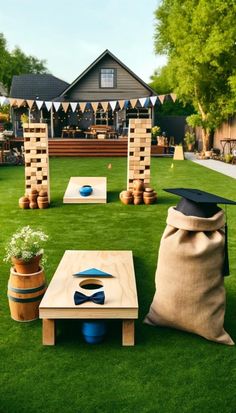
x,y
85,190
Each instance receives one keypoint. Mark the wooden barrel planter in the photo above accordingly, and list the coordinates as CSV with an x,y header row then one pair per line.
x,y
25,291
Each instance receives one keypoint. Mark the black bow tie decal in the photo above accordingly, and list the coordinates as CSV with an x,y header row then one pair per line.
x,y
97,298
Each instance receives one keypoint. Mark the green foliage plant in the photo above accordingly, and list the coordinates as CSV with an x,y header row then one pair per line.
x,y
25,244
24,118
156,130
199,40
189,138
16,62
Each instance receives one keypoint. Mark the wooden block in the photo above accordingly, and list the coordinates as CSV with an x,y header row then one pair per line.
x,y
49,332
128,332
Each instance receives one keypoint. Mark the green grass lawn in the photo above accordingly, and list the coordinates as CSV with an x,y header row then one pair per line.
x,y
168,371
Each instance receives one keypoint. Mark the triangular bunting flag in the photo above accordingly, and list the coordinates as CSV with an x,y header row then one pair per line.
x,y
73,106
153,99
173,96
19,102
12,101
133,102
161,98
94,106
104,105
92,272
39,104
30,103
65,106
2,100
121,104
113,105
48,105
142,101
56,105
82,106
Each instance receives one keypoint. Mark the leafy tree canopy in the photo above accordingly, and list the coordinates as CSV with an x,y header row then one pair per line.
x,y
199,38
16,63
162,83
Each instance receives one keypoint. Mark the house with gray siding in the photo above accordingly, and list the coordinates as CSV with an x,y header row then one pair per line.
x,y
106,79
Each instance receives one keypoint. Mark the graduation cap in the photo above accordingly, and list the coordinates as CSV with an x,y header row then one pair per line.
x,y
199,203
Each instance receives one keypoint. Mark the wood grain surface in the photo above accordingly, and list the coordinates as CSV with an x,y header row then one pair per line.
x,y
99,194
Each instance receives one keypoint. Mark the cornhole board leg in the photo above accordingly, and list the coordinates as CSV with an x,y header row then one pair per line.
x,y
48,332
128,333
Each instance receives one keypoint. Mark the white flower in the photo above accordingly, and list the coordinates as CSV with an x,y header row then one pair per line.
x,y
26,244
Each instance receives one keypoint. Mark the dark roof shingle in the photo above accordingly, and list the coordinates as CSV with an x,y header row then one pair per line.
x,y
35,86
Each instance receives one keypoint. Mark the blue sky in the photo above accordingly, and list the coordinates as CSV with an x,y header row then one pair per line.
x,y
71,34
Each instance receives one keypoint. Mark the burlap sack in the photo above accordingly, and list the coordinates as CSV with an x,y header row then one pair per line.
x,y
190,292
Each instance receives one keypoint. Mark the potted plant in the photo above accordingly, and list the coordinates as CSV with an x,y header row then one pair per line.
x,y
24,118
25,250
156,130
189,139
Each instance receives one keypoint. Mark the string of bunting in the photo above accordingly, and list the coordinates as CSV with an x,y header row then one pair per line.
x,y
113,104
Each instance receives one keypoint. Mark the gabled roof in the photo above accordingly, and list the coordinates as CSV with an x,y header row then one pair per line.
x,y
105,53
35,86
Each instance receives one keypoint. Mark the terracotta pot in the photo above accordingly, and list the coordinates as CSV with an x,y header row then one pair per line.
x,y
33,198
43,193
138,200
126,197
24,202
147,194
149,200
155,195
26,267
138,185
33,195
138,193
33,205
43,202
148,190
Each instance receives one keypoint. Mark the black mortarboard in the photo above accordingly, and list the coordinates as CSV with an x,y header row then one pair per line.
x,y
199,203
196,195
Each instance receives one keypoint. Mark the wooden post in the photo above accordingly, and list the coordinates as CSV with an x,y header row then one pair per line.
x,y
48,332
52,127
128,333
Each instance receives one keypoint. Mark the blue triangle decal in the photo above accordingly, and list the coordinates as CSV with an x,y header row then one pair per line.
x,y
92,272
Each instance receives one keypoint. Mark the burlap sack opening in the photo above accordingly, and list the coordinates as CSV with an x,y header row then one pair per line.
x,y
190,292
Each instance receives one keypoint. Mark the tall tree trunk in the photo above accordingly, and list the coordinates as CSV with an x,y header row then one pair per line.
x,y
205,131
205,140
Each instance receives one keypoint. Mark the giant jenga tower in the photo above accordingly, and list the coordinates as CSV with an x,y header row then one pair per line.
x,y
139,151
36,157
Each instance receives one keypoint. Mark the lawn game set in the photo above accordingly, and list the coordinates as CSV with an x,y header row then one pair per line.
x,y
95,286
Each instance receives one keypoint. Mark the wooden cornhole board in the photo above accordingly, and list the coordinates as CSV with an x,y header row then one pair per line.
x,y
99,194
120,292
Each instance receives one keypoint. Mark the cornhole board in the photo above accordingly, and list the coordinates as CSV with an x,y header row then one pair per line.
x,y
121,300
99,194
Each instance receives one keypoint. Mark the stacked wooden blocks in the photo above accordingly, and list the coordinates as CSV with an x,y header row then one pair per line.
x,y
36,157
139,151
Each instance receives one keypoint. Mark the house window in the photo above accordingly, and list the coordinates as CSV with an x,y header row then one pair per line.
x,y
108,78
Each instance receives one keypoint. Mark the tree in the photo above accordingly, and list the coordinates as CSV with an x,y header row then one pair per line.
x,y
199,38
16,63
161,82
